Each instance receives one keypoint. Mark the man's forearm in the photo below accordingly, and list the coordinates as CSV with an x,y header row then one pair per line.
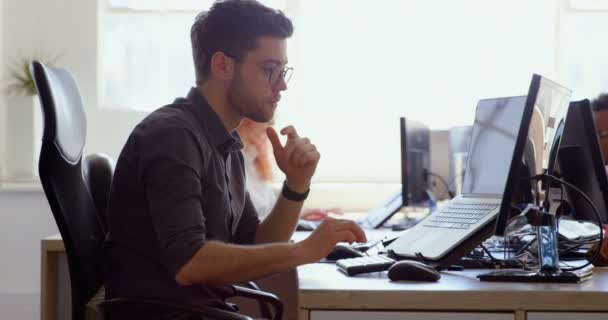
x,y
220,263
280,223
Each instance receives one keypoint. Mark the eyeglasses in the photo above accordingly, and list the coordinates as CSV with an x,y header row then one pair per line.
x,y
279,73
275,74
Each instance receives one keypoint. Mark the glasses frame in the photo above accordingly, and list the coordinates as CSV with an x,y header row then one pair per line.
x,y
284,74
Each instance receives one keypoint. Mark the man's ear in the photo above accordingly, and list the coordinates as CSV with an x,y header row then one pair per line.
x,y
222,66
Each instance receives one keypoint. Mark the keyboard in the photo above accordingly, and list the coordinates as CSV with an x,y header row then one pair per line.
x,y
460,215
366,264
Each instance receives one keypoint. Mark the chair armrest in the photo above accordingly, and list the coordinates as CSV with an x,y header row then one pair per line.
x,y
252,285
264,309
262,296
215,313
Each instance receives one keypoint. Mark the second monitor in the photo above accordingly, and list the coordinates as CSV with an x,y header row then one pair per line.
x,y
415,142
415,163
581,163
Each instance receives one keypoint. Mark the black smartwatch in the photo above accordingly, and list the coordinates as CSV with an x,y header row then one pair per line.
x,y
292,195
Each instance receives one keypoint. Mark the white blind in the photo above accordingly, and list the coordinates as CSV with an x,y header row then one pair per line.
x,y
360,65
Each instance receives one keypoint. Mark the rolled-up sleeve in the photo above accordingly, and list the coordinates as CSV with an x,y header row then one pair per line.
x,y
171,175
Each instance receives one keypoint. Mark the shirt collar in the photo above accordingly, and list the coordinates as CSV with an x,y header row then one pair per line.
x,y
223,140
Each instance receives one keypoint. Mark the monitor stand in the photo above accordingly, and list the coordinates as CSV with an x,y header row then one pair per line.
x,y
537,276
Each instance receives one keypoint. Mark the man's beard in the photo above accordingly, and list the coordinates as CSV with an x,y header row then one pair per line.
x,y
243,105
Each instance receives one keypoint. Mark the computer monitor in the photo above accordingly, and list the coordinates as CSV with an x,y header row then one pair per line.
x,y
467,220
580,162
459,139
546,106
415,163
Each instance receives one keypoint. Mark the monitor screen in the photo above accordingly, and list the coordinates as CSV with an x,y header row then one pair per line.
x,y
545,107
580,163
549,111
492,144
415,163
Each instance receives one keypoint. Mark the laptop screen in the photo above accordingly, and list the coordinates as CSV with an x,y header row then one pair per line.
x,y
495,130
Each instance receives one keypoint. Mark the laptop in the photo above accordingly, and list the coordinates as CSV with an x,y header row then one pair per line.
x,y
374,218
494,136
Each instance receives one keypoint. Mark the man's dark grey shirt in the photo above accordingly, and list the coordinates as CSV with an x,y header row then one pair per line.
x,y
179,181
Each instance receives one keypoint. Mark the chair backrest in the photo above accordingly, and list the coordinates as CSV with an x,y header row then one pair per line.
x,y
64,186
98,170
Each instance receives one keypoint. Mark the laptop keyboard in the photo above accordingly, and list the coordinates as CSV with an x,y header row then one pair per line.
x,y
460,215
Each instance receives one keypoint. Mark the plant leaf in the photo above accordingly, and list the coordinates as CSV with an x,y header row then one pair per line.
x,y
22,81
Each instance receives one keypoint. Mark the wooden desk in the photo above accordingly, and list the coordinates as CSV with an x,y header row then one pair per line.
x,y
51,249
325,293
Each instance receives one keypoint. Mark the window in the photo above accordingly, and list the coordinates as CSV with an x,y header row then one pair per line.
x,y
360,65
146,53
584,48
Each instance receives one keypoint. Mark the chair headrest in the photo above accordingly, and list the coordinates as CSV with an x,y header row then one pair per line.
x,y
62,108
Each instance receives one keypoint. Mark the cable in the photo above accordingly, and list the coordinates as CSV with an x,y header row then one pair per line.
x,y
445,184
494,260
577,242
597,214
505,236
525,247
563,251
502,262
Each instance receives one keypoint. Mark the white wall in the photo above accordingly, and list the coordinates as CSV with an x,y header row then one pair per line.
x,y
28,28
27,219
43,27
26,214
30,221
18,38
76,35
2,75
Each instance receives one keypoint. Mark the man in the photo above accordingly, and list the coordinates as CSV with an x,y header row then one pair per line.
x,y
181,225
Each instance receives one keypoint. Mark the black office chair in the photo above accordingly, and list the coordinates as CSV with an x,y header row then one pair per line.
x,y
98,169
74,208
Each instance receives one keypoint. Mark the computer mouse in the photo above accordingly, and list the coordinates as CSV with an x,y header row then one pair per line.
x,y
342,251
413,271
305,226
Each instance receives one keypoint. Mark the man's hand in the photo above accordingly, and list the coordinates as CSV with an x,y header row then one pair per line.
x,y
298,159
331,231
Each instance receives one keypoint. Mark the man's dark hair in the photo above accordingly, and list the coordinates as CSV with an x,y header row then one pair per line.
x,y
232,27
600,103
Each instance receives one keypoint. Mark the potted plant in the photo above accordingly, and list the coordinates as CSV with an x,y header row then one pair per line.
x,y
23,124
